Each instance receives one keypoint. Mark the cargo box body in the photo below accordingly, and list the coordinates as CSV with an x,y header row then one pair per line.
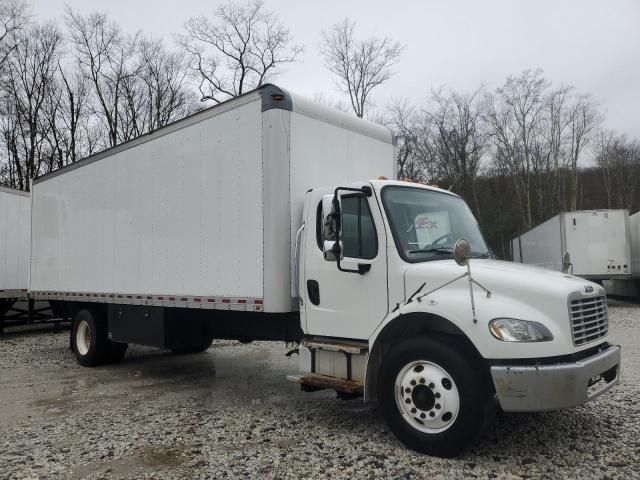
x,y
596,241
202,213
14,243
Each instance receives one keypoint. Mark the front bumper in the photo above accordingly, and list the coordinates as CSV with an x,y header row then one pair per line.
x,y
551,387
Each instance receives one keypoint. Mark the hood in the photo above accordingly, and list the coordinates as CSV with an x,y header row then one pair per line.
x,y
499,275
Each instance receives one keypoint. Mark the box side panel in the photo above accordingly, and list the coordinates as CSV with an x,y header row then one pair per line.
x,y
326,154
178,215
277,214
14,242
542,245
597,242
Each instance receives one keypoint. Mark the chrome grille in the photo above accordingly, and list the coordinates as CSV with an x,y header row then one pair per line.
x,y
589,319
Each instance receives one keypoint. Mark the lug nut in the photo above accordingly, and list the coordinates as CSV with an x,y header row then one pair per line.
x,y
431,414
438,406
408,400
438,395
431,385
422,380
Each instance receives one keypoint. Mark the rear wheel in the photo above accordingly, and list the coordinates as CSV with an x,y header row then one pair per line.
x,y
89,340
432,397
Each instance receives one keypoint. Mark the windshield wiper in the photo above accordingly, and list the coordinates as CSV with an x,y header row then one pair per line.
x,y
440,250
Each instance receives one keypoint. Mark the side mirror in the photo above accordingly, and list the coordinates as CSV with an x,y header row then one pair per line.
x,y
566,262
462,252
331,248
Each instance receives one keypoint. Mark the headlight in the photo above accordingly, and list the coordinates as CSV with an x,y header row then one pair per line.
x,y
512,330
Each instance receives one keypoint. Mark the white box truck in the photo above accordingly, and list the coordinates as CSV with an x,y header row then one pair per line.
x,y
590,244
254,219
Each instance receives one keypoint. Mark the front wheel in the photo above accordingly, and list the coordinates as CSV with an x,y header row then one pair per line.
x,y
432,397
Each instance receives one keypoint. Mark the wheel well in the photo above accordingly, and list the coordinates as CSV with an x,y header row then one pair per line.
x,y
411,326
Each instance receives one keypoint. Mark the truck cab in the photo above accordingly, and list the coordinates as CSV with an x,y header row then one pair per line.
x,y
401,301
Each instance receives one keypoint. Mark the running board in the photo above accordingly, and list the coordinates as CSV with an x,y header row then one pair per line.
x,y
315,381
353,348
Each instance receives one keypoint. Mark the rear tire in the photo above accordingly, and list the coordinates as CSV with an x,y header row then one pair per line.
x,y
432,397
89,340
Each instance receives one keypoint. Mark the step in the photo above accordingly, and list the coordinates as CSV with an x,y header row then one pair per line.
x,y
353,348
324,381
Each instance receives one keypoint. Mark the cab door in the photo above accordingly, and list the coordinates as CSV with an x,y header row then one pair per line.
x,y
338,303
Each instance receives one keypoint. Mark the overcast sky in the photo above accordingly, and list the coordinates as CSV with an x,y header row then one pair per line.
x,y
594,45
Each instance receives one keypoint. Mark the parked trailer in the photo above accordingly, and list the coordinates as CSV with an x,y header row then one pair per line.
x,y
218,226
14,245
590,244
16,308
14,251
629,287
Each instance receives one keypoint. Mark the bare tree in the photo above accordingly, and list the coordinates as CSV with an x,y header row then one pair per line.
x,y
456,140
14,16
584,117
74,100
514,116
619,162
243,47
164,76
107,59
360,65
412,163
555,122
30,70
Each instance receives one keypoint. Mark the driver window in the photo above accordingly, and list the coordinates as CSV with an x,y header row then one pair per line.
x,y
359,237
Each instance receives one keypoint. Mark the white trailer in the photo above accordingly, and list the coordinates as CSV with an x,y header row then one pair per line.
x,y
589,243
14,249
16,306
628,287
253,220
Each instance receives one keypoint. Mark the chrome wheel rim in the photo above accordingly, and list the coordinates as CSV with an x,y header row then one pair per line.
x,y
83,337
427,397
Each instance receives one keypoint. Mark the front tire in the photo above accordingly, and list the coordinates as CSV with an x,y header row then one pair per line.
x,y
432,397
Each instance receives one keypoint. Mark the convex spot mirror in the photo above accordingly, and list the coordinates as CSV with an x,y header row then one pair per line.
x,y
462,252
330,249
566,262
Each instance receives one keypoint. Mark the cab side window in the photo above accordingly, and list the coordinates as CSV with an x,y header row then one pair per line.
x,y
359,237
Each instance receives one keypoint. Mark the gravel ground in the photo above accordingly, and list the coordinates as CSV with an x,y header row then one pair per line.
x,y
230,413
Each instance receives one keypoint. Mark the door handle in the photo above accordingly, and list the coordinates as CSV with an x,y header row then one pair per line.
x,y
313,290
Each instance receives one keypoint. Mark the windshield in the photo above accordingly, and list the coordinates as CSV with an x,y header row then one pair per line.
x,y
426,224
